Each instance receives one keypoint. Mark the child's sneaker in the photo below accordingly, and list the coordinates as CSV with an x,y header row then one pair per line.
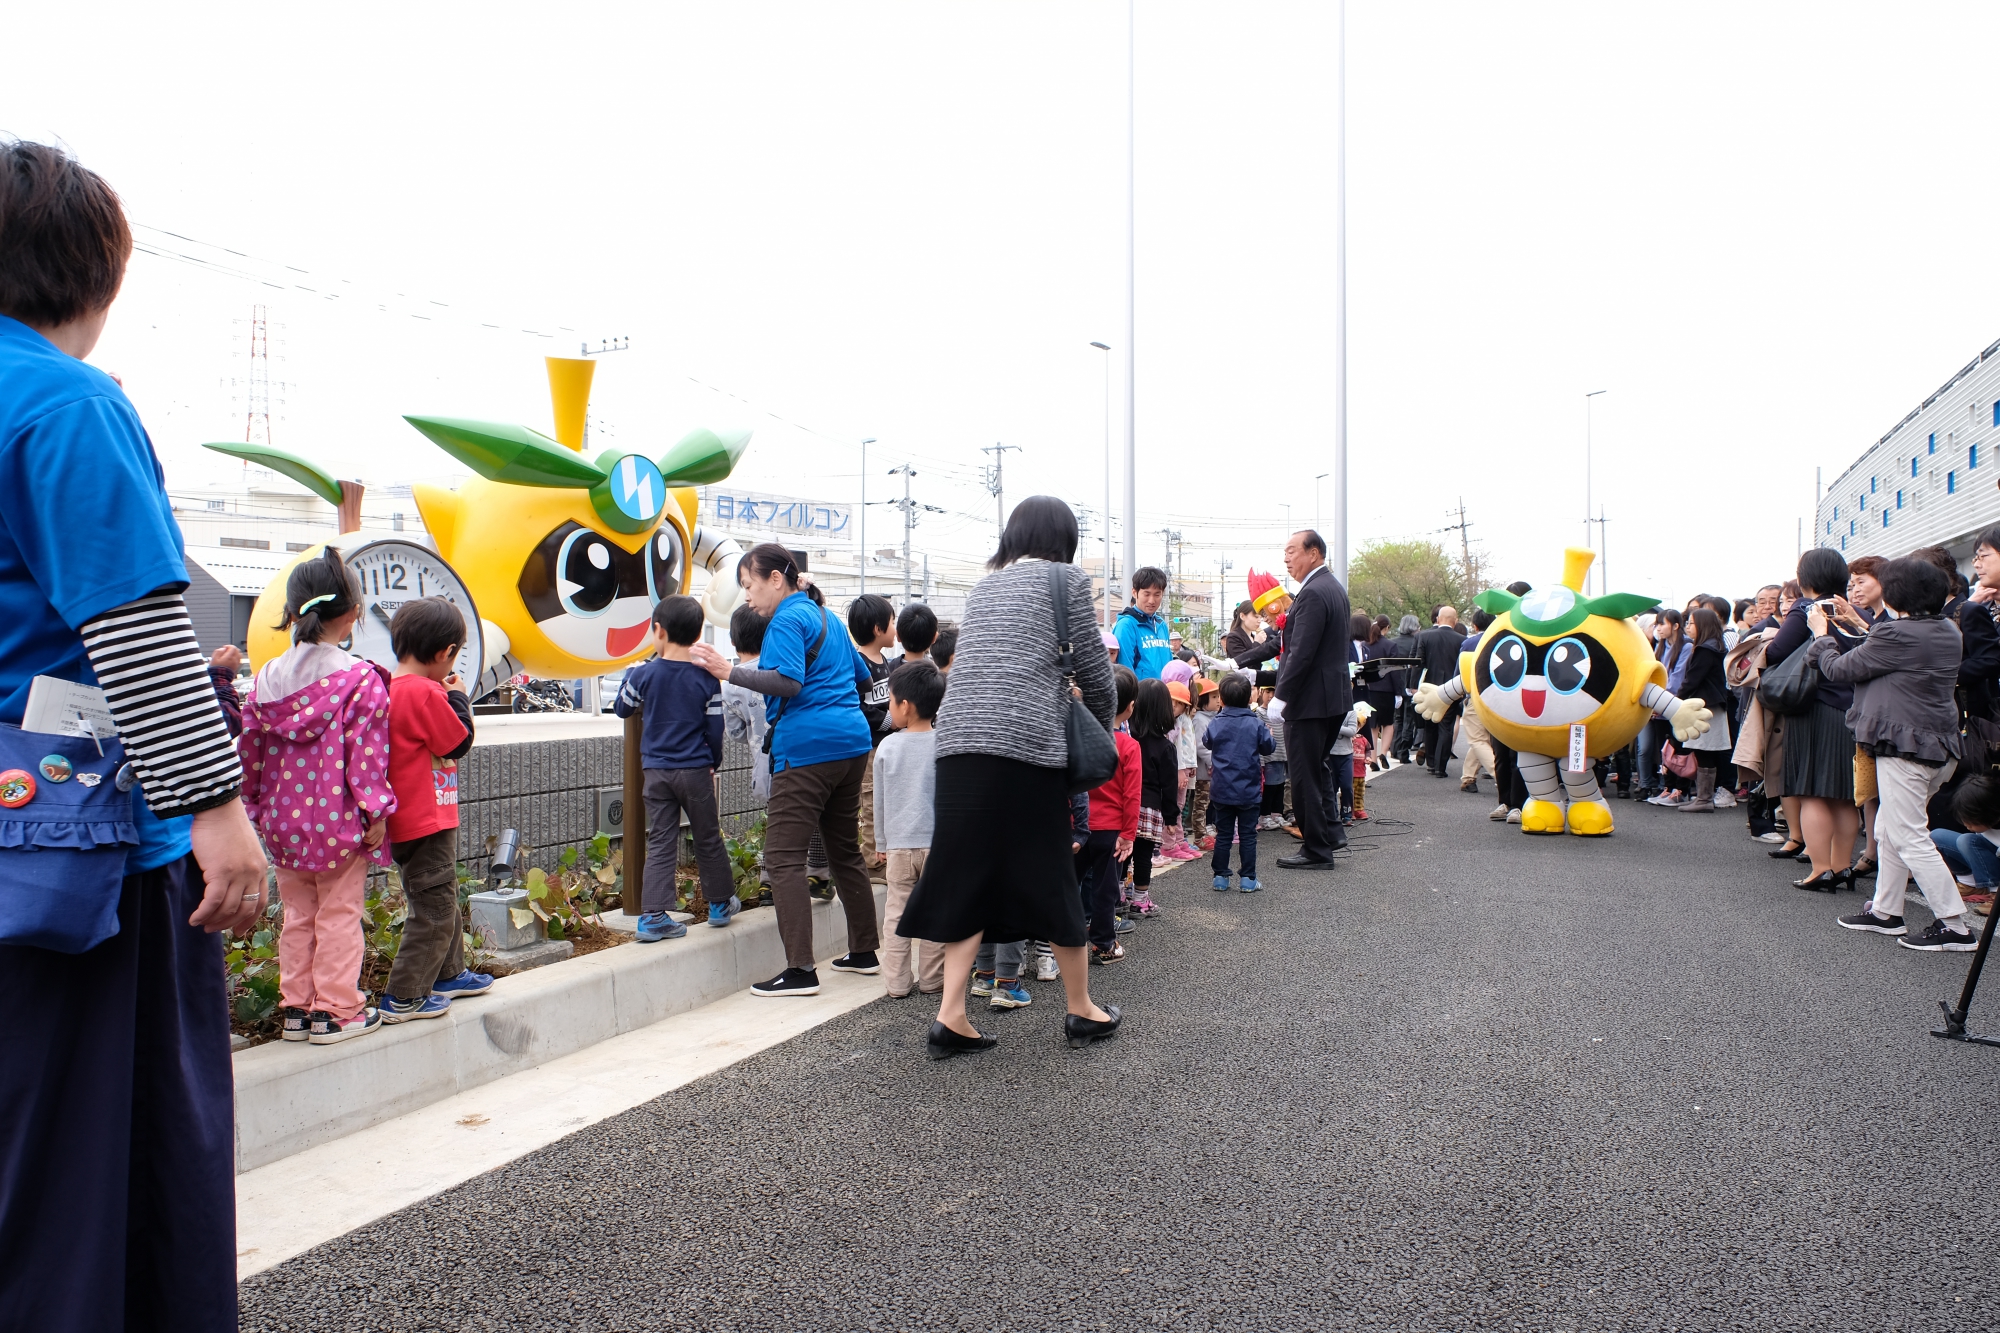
x,y
297,1026
465,983
1184,851
657,926
1115,953
1360,816
820,888
982,983
1222,883
1144,905
1123,925
1010,995
1046,968
409,1011
326,1029
721,914
1207,843
1250,886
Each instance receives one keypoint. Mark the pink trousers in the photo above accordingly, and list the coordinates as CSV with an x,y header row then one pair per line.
x,y
319,952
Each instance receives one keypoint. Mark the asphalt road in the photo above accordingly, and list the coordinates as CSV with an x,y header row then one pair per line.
x,y
1466,1079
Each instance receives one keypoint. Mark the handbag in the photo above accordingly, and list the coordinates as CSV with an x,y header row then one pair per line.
x,y
1678,762
65,832
1093,755
1788,688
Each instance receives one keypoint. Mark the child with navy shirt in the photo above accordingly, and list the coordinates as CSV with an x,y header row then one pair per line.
x,y
680,747
1236,742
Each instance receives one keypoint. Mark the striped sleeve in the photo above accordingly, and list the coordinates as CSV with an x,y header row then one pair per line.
x,y
154,678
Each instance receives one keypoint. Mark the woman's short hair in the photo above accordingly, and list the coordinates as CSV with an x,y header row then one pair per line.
x,y
64,241
1914,587
1410,625
1042,528
1790,591
1823,573
1358,626
1871,565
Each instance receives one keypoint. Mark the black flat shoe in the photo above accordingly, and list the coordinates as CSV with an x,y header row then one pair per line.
x,y
1862,869
1826,881
943,1043
1083,1031
1788,850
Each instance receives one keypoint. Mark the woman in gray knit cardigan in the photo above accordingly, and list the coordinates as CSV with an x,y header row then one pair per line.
x,y
1000,864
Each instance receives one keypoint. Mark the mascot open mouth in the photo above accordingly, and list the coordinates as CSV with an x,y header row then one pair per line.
x,y
1532,701
618,642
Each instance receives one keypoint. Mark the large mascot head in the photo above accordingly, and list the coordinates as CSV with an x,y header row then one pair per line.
x,y
569,554
1554,658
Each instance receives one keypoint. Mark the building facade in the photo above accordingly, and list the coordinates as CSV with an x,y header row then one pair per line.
x,y
1933,480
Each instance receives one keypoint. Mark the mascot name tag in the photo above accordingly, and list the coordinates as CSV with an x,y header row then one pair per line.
x,y
1578,761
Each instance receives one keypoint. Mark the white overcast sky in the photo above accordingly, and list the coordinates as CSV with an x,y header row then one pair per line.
x,y
1757,227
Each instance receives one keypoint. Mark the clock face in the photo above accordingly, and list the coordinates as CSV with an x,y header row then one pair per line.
x,y
393,572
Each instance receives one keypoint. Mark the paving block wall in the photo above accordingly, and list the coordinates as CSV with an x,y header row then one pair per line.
x,y
548,791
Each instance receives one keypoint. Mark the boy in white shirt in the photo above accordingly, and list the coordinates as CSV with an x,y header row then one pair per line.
x,y
905,792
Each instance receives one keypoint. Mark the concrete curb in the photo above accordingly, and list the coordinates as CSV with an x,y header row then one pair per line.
x,y
293,1096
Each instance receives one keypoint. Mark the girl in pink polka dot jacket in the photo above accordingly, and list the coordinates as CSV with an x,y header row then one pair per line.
x,y
315,750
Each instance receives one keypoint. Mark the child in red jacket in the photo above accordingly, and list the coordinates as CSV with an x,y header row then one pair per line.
x,y
1114,823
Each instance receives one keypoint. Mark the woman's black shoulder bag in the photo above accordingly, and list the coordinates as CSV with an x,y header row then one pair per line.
x,y
1093,755
1787,689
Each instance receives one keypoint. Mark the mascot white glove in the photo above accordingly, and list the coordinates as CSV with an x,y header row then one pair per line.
x,y
1429,702
1690,719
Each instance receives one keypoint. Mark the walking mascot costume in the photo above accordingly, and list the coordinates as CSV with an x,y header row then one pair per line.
x,y
1556,667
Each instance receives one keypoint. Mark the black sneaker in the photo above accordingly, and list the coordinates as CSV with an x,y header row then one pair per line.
x,y
297,1025
861,964
1940,938
821,889
1881,925
791,981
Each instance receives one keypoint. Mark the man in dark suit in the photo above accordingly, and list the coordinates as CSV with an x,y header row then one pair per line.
x,y
1314,682
1439,647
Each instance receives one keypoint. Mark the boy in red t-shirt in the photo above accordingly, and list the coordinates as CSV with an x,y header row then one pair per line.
x,y
1114,824
430,729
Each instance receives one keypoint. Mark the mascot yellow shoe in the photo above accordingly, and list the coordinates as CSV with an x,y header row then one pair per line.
x,y
1587,819
1541,817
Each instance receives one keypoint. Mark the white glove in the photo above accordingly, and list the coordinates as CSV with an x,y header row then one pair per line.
x,y
1690,719
1429,703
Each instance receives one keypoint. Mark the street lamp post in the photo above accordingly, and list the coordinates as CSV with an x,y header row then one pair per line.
x,y
1317,514
1587,481
1106,349
864,511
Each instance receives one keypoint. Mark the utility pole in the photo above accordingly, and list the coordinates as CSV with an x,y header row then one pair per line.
x,y
1340,306
1464,543
1131,298
864,511
995,484
1603,554
910,508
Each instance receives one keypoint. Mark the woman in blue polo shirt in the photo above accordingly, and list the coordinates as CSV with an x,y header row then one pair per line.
x,y
811,678
117,1162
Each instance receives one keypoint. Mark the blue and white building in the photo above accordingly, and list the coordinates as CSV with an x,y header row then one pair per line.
x,y
1933,480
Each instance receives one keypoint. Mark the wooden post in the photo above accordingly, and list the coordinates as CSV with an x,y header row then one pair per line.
x,y
633,894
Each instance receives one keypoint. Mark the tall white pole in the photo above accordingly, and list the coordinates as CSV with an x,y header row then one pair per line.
x,y
1131,352
864,512
1106,349
1340,308
1588,543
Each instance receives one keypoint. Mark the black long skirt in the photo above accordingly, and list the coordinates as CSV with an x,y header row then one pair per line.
x,y
1000,862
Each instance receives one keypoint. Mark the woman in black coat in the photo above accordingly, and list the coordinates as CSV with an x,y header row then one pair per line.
x,y
1248,643
1704,680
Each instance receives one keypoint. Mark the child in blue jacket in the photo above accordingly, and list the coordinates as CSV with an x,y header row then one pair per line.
x,y
1236,741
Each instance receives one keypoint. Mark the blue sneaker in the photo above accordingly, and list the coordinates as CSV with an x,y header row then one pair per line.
x,y
1250,886
982,983
657,926
721,914
1222,883
465,983
409,1011
1010,995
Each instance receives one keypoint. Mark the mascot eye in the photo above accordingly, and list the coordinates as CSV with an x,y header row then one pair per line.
x,y
586,579
663,563
1567,666
1509,662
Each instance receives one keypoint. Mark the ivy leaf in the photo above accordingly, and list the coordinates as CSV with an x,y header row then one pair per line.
x,y
520,916
568,858
538,883
555,930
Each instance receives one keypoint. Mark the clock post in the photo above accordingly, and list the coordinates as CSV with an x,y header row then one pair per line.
x,y
634,821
